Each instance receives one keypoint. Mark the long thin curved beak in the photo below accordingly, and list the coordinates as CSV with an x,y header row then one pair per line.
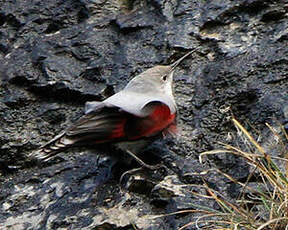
x,y
176,63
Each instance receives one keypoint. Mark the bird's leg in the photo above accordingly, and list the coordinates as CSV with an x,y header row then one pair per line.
x,y
142,163
129,172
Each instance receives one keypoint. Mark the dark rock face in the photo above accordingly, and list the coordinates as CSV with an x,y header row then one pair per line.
x,y
55,55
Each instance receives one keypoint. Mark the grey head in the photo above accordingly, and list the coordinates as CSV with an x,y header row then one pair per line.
x,y
158,79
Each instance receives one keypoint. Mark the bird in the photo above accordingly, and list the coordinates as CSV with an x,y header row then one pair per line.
x,y
130,119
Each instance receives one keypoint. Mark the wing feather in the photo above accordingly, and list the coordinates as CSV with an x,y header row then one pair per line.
x,y
108,124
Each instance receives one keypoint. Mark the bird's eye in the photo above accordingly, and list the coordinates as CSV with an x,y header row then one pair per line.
x,y
164,78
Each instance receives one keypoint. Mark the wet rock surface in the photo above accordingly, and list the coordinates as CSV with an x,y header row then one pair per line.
x,y
56,55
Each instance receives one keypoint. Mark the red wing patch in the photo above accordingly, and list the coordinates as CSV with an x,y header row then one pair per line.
x,y
158,120
118,131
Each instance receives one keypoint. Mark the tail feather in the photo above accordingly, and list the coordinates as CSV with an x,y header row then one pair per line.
x,y
51,148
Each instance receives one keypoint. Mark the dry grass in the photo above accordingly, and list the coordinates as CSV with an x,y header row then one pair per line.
x,y
267,206
260,207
